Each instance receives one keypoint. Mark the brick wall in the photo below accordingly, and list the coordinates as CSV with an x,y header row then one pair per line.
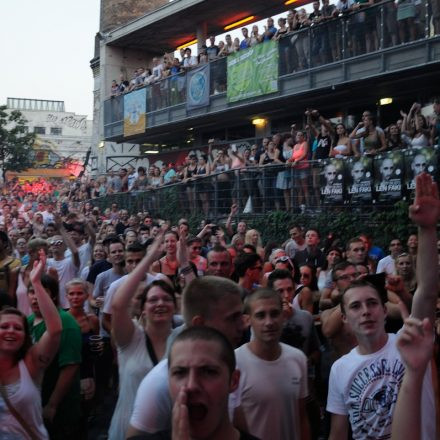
x,y
115,13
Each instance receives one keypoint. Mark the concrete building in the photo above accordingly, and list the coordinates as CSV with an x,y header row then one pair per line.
x,y
346,73
60,134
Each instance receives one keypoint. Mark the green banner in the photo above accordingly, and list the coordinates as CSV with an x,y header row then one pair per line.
x,y
253,72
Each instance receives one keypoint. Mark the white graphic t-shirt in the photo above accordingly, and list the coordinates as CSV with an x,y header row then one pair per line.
x,y
365,387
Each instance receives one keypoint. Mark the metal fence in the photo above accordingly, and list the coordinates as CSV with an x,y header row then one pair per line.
x,y
348,35
354,183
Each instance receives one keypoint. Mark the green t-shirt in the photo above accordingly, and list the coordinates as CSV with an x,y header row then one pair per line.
x,y
69,353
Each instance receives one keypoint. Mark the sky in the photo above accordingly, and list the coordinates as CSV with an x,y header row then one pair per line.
x,y
46,48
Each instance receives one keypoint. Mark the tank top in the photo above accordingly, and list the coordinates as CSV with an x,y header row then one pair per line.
x,y
419,142
267,159
22,296
371,142
298,151
295,302
25,397
201,171
190,172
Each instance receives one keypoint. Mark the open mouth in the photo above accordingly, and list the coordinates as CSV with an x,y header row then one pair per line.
x,y
197,411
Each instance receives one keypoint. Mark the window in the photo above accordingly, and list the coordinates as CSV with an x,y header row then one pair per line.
x,y
55,130
40,130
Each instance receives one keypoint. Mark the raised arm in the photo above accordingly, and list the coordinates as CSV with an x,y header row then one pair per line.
x,y
122,324
185,268
68,240
228,225
415,344
425,213
41,354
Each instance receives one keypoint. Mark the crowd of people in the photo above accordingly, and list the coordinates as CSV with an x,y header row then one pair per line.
x,y
403,21
99,302
283,170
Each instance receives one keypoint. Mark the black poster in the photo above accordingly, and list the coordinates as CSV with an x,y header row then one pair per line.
x,y
388,176
418,160
359,178
332,181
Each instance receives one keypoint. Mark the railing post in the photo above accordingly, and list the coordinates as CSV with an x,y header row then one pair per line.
x,y
309,36
343,22
215,186
427,19
382,27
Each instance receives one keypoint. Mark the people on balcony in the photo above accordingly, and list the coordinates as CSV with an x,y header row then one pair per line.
x,y
342,145
368,138
246,41
299,162
415,128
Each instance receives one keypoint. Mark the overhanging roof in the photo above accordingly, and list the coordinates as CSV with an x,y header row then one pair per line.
x,y
163,30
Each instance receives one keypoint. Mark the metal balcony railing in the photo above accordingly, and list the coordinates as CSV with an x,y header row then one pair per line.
x,y
368,30
314,185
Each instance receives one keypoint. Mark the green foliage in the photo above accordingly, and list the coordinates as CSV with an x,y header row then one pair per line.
x,y
381,224
15,142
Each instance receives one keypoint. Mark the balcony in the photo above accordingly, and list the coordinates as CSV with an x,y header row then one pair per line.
x,y
352,48
362,184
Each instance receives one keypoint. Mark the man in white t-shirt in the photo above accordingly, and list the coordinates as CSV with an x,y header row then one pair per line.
x,y
387,264
85,248
273,382
364,384
208,301
66,268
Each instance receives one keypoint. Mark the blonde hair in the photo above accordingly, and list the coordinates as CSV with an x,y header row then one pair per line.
x,y
248,237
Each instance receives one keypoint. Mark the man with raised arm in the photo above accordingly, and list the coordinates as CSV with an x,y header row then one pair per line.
x,y
364,384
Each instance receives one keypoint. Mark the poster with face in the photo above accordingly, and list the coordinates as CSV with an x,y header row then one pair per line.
x,y
359,178
418,160
332,181
388,176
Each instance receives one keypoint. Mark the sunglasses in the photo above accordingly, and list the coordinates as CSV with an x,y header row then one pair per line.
x,y
56,242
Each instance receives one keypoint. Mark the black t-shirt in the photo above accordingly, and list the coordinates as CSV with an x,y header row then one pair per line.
x,y
303,257
96,269
323,144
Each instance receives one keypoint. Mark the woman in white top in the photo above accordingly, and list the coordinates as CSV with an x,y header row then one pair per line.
x,y
140,344
342,144
22,364
415,128
23,278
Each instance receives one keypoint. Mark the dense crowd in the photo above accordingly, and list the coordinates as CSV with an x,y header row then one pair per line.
x,y
283,170
97,302
403,21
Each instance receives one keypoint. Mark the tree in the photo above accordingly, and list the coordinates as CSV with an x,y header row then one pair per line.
x,y
16,151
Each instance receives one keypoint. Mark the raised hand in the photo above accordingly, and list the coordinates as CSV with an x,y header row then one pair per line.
x,y
180,419
415,343
182,250
234,209
425,211
38,269
155,248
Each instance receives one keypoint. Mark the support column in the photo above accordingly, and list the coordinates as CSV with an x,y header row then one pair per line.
x,y
262,129
201,35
